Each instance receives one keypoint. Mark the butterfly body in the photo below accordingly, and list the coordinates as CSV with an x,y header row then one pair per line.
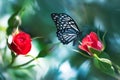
x,y
67,29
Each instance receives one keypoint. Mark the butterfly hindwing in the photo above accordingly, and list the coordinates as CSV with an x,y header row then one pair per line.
x,y
67,29
66,36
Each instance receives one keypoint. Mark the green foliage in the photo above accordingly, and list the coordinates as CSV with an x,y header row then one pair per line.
x,y
104,65
21,74
13,22
97,52
104,55
45,51
13,59
103,40
30,67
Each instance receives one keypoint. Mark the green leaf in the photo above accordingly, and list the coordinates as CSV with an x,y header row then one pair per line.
x,y
45,51
104,60
9,30
30,66
104,55
104,65
21,74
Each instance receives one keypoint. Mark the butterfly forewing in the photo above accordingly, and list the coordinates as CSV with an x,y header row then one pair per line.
x,y
67,29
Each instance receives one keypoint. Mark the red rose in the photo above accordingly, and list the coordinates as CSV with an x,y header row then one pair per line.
x,y
20,43
91,41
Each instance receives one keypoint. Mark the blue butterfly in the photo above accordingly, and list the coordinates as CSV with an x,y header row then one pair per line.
x,y
67,29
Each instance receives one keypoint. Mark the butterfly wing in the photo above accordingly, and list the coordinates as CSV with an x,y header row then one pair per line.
x,y
67,29
66,36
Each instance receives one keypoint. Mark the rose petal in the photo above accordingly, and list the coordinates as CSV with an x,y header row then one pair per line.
x,y
84,48
87,40
100,45
94,36
21,43
91,41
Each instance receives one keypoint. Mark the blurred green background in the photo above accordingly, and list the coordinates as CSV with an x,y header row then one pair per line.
x,y
90,15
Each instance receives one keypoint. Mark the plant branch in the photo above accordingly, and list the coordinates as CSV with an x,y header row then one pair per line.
x,y
81,53
13,59
18,66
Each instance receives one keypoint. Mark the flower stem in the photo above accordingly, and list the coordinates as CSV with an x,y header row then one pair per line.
x,y
13,59
96,56
81,53
18,66
4,54
11,63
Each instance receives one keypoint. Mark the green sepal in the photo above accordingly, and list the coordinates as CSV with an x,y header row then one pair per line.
x,y
94,51
14,20
103,41
13,55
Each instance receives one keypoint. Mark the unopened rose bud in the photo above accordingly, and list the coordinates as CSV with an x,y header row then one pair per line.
x,y
91,41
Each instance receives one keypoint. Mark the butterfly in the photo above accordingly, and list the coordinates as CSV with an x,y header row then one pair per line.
x,y
67,29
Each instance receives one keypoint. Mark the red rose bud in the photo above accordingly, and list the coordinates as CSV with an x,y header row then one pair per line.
x,y
91,41
20,43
